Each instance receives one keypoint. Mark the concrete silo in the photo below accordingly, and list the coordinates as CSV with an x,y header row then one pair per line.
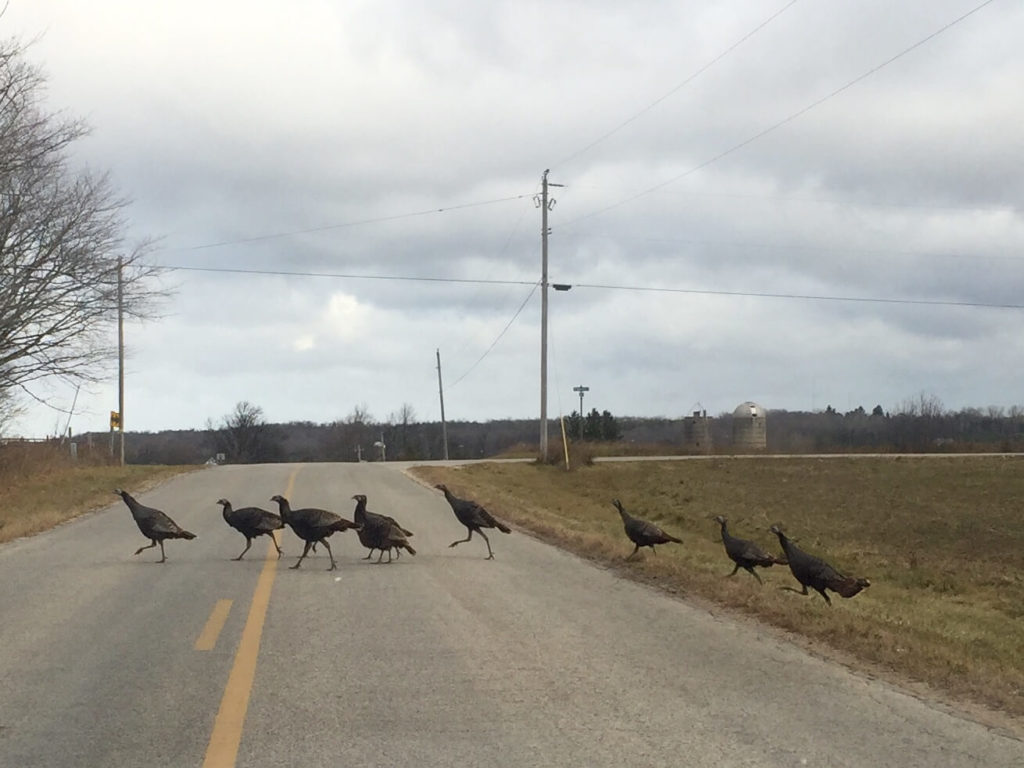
x,y
697,432
749,427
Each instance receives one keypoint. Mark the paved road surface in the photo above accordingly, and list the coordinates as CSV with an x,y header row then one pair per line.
x,y
444,659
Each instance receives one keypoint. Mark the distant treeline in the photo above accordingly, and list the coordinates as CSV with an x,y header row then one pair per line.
x,y
918,426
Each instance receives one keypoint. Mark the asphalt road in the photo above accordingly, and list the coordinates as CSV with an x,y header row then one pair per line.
x,y
536,658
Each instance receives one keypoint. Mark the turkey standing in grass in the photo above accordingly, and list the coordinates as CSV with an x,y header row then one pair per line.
x,y
815,573
312,525
154,524
746,554
252,522
380,531
474,517
641,532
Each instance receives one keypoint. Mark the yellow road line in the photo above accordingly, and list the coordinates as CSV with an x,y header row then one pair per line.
x,y
222,751
208,637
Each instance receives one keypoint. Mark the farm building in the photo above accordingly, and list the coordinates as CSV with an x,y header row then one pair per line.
x,y
749,427
697,432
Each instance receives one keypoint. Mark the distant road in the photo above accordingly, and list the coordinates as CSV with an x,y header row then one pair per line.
x,y
740,456
536,658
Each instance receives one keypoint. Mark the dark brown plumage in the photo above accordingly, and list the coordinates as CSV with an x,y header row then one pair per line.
x,y
745,554
815,573
252,522
312,525
154,524
474,517
642,532
380,531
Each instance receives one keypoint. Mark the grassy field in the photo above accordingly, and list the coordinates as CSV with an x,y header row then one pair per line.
x,y
43,487
942,540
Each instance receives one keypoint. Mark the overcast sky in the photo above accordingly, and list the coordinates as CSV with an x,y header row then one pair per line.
x,y
811,244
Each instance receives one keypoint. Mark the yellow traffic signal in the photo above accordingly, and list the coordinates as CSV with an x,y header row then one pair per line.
x,y
115,420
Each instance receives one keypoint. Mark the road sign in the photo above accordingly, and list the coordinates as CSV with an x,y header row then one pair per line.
x,y
115,420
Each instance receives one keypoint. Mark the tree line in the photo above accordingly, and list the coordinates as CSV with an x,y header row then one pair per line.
x,y
243,436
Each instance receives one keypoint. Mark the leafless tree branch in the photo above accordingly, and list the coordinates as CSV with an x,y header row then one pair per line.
x,y
62,243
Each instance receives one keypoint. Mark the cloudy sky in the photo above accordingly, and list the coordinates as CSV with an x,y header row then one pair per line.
x,y
801,203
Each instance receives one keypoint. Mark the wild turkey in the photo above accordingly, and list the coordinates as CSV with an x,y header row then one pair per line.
x,y
641,532
813,572
154,524
746,554
380,531
474,517
252,522
312,525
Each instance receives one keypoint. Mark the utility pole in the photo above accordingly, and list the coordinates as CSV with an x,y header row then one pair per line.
x,y
440,391
545,206
120,352
581,389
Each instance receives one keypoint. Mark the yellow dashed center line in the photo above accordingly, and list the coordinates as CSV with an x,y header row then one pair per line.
x,y
208,638
222,751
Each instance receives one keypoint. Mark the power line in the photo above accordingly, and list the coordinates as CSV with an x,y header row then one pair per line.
x,y
801,296
360,222
498,338
685,82
721,244
612,287
784,121
498,257
854,203
347,276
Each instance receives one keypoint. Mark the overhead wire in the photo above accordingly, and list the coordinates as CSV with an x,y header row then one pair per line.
x,y
701,70
786,120
498,338
498,256
797,247
802,296
342,225
616,287
345,275
822,200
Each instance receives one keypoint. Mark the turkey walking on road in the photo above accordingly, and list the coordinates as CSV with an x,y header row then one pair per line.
x,y
815,573
380,531
313,526
746,554
641,532
474,517
154,524
252,522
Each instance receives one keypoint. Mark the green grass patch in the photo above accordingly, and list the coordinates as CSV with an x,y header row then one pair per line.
x,y
942,540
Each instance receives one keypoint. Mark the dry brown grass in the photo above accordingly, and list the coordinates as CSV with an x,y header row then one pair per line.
x,y
43,487
942,540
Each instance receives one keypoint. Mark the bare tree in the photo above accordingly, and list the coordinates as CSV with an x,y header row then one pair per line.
x,y
244,437
359,416
62,243
9,410
400,439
